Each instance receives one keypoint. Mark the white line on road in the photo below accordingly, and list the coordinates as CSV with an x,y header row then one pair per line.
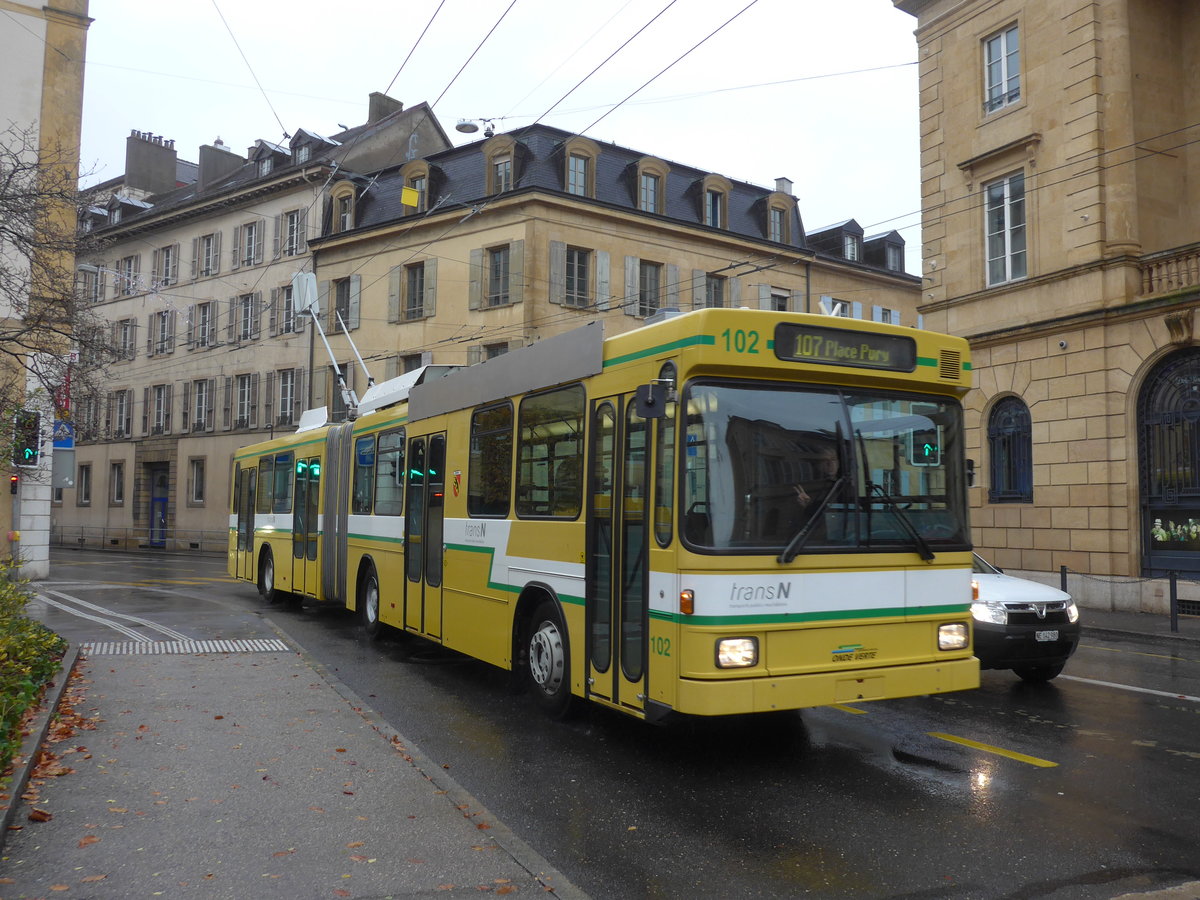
x,y
116,626
1130,687
161,629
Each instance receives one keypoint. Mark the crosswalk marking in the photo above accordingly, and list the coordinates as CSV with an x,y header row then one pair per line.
x,y
159,648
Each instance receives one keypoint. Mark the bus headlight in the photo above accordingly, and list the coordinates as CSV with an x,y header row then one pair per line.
x,y
953,636
737,653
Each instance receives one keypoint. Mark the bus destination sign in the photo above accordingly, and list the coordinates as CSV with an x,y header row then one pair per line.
x,y
843,347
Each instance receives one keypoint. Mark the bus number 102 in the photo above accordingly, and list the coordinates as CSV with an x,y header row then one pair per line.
x,y
660,646
740,341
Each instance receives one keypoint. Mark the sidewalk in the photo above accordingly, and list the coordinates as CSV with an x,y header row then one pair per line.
x,y
1147,625
248,774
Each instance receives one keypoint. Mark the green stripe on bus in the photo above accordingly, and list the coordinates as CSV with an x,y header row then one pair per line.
x,y
824,616
694,340
933,363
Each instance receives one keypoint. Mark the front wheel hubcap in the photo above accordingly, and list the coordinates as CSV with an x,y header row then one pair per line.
x,y
547,662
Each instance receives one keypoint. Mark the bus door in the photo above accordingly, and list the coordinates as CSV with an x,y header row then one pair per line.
x,y
423,547
304,525
617,545
244,493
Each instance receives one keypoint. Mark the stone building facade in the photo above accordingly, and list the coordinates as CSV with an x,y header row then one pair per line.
x,y
1060,231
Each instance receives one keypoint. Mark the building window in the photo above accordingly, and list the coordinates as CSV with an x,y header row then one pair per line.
x,y
160,408
287,396
777,225
502,174
195,485
247,319
498,260
163,324
895,257
83,486
264,166
287,322
116,484
779,301
166,265
648,192
1010,446
341,303
414,300
714,291
578,170
714,208
411,362
1001,70
122,414
208,255
247,406
250,244
125,338
345,213
491,351
419,184
1005,227
303,153
128,270
852,247
293,235
578,277
649,287
92,284
202,405
203,325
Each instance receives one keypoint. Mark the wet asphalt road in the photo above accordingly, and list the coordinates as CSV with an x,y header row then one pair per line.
x,y
1069,790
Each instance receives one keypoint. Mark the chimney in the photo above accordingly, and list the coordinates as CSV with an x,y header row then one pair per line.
x,y
149,162
783,185
382,105
215,163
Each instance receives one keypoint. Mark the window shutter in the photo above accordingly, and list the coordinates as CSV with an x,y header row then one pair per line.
x,y
167,392
355,299
320,380
155,275
145,410
475,285
895,317
174,273
186,408
276,237
474,355
256,316
191,326
110,403
300,397
227,413
699,289
735,291
253,418
231,325
391,367
429,307
630,303
216,253
395,276
235,254
150,335
259,237
876,313
101,277
857,309
273,313
427,357
603,279
323,304
558,272
171,331
302,246
672,286
764,296
516,271
195,258
796,304
269,401
210,417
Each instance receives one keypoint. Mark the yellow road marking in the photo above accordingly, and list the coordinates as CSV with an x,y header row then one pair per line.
x,y
1137,653
999,751
849,709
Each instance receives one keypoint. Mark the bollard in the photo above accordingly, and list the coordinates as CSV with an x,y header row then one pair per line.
x,y
1174,603
1062,579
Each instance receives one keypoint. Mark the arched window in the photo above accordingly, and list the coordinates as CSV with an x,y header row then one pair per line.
x,y
1010,446
579,176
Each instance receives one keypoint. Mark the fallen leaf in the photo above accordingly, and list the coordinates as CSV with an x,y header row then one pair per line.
x,y
88,840
60,887
340,750
218,717
341,893
40,815
90,878
8,881
353,844
507,889
357,858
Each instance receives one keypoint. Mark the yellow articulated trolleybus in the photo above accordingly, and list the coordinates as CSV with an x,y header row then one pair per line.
x,y
727,511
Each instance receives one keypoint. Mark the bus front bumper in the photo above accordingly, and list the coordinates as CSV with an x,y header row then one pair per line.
x,y
717,698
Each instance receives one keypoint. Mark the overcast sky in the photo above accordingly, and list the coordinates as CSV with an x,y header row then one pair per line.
x,y
823,93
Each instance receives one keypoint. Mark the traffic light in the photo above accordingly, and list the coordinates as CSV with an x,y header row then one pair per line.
x,y
14,481
926,446
27,438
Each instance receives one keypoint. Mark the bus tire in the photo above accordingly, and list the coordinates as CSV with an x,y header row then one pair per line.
x,y
548,660
266,578
368,604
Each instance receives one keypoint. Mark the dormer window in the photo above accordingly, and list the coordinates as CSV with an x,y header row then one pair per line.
x,y
580,176
303,153
651,185
116,215
264,166
343,208
500,157
415,187
715,212
852,247
502,174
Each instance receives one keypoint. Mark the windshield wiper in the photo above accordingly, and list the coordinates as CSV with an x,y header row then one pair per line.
x,y
923,548
797,541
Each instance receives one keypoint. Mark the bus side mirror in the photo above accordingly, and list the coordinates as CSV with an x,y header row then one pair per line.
x,y
651,400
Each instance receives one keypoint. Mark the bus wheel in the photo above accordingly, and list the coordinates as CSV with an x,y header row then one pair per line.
x,y
266,578
548,661
368,604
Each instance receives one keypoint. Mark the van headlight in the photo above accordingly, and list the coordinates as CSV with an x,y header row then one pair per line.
x,y
1072,612
984,612
737,653
954,636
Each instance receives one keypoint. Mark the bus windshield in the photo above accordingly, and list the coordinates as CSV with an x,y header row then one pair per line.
x,y
786,468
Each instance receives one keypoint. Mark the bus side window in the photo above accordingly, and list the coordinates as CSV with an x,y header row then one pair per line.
x,y
489,479
283,483
550,445
266,479
389,474
364,474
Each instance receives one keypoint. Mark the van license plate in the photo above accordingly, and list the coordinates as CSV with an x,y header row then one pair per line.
x,y
1046,635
